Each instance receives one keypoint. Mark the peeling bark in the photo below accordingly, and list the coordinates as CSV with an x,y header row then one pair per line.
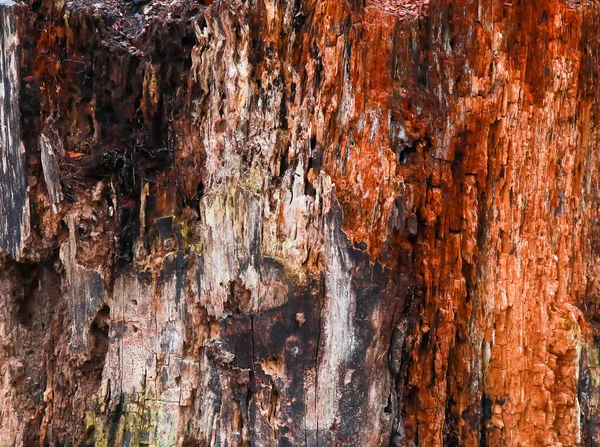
x,y
307,223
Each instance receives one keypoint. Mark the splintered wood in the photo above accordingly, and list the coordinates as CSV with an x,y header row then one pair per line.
x,y
318,223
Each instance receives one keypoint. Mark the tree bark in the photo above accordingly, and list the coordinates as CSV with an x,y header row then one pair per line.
x,y
243,222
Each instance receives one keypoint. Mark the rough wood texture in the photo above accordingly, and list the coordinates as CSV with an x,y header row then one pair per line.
x,y
252,222
13,193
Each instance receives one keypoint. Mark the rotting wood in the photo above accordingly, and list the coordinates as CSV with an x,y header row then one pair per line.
x,y
299,223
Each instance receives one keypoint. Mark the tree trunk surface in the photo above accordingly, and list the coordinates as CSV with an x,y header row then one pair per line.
x,y
301,223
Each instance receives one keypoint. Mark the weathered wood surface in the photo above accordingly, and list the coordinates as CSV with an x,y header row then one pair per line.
x,y
13,192
309,223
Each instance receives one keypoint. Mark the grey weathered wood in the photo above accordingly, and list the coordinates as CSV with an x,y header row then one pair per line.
x,y
13,188
51,171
